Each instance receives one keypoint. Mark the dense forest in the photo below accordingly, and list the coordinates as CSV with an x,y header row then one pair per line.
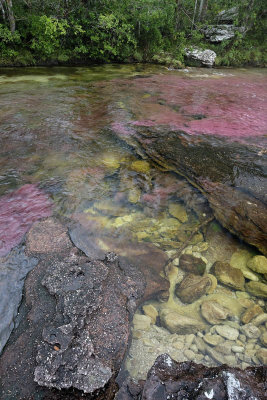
x,y
34,32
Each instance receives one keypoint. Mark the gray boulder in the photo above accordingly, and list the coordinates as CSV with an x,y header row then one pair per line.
x,y
200,57
219,33
228,16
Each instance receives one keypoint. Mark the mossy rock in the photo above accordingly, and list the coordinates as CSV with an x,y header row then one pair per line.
x,y
140,166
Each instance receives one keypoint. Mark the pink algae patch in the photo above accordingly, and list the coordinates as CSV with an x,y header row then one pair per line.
x,y
232,106
18,211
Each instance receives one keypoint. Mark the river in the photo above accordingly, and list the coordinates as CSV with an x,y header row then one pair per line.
x,y
60,155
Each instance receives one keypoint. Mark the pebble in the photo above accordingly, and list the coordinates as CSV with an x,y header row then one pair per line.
x,y
189,354
256,360
260,319
200,334
244,365
237,349
223,349
215,355
264,339
200,345
214,340
151,311
251,331
178,345
250,352
189,339
247,358
242,338
199,357
194,348
141,322
227,332
230,360
250,346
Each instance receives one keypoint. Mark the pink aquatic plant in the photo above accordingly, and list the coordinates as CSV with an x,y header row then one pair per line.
x,y
18,211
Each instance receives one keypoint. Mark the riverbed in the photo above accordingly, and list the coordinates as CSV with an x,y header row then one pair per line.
x,y
62,154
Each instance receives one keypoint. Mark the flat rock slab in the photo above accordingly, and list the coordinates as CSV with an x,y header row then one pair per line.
x,y
168,379
146,257
74,329
230,174
48,236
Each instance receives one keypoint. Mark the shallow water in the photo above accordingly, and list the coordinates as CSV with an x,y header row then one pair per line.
x,y
54,134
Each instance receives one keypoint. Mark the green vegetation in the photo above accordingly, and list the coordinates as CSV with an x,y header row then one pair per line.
x,y
36,32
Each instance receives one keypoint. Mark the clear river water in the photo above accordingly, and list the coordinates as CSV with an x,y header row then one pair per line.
x,y
58,157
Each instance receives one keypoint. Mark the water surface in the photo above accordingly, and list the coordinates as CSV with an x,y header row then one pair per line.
x,y
54,135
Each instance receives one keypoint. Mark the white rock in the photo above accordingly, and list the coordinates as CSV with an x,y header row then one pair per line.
x,y
227,332
205,57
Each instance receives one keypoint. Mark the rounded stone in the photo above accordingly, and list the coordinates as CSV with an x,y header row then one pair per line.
x,y
228,275
193,287
151,311
141,322
251,313
237,349
192,264
227,332
251,331
189,354
213,340
258,289
260,320
178,211
258,264
262,355
213,312
264,338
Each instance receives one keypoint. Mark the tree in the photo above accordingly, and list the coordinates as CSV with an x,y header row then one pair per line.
x,y
8,14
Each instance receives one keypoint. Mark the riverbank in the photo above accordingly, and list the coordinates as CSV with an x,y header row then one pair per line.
x,y
241,57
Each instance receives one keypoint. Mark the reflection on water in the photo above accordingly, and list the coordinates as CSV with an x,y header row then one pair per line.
x,y
53,134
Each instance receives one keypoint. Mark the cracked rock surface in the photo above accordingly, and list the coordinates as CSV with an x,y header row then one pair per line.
x,y
74,329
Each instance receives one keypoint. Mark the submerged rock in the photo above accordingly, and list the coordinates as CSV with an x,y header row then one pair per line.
x,y
178,211
229,276
47,236
258,264
181,324
213,312
192,264
251,313
193,287
210,162
145,256
168,379
258,289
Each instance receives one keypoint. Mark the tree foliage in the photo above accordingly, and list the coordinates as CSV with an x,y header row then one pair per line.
x,y
121,30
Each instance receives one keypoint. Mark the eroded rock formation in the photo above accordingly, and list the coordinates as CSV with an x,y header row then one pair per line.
x,y
230,174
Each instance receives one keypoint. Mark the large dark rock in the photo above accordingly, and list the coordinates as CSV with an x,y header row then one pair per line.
x,y
74,329
168,379
230,174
